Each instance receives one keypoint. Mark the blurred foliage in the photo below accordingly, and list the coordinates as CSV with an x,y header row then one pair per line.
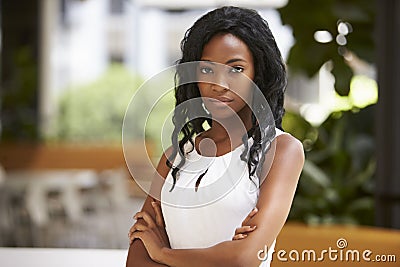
x,y
19,98
336,185
307,55
95,111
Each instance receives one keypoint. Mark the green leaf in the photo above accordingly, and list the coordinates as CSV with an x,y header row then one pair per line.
x,y
317,175
343,75
305,17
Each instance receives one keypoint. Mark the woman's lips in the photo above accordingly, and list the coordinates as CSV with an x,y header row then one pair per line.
x,y
220,101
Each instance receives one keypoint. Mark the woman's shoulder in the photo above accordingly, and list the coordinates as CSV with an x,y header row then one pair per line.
x,y
289,145
287,158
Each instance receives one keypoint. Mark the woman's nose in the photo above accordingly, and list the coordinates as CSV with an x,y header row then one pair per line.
x,y
220,83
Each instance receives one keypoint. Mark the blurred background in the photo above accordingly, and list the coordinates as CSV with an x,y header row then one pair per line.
x,y
70,67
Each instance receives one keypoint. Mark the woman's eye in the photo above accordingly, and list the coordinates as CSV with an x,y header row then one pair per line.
x,y
205,70
237,69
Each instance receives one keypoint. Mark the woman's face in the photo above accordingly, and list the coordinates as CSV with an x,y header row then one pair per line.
x,y
225,73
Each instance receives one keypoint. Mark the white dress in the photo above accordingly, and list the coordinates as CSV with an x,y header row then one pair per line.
x,y
210,215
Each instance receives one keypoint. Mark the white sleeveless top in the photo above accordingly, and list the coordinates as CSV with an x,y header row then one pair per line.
x,y
210,215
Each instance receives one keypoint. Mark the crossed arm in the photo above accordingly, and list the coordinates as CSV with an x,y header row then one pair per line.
x,y
151,248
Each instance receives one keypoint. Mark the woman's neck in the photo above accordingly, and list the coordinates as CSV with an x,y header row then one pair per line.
x,y
232,128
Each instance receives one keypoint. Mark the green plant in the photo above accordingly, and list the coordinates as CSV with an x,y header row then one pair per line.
x,y
19,108
336,185
95,111
355,36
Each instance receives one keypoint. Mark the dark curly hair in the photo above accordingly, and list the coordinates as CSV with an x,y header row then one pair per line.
x,y
270,77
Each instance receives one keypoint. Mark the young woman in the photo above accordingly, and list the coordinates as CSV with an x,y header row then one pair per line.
x,y
258,165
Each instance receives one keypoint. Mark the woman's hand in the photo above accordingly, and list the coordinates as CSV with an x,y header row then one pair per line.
x,y
151,232
242,232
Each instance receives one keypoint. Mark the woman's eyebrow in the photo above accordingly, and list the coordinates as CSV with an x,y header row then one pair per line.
x,y
233,60
230,61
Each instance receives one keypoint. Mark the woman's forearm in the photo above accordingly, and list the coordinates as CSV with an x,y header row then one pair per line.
x,y
138,256
197,257
228,253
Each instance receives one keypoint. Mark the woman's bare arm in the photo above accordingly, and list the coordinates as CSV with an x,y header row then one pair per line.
x,y
275,199
137,254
